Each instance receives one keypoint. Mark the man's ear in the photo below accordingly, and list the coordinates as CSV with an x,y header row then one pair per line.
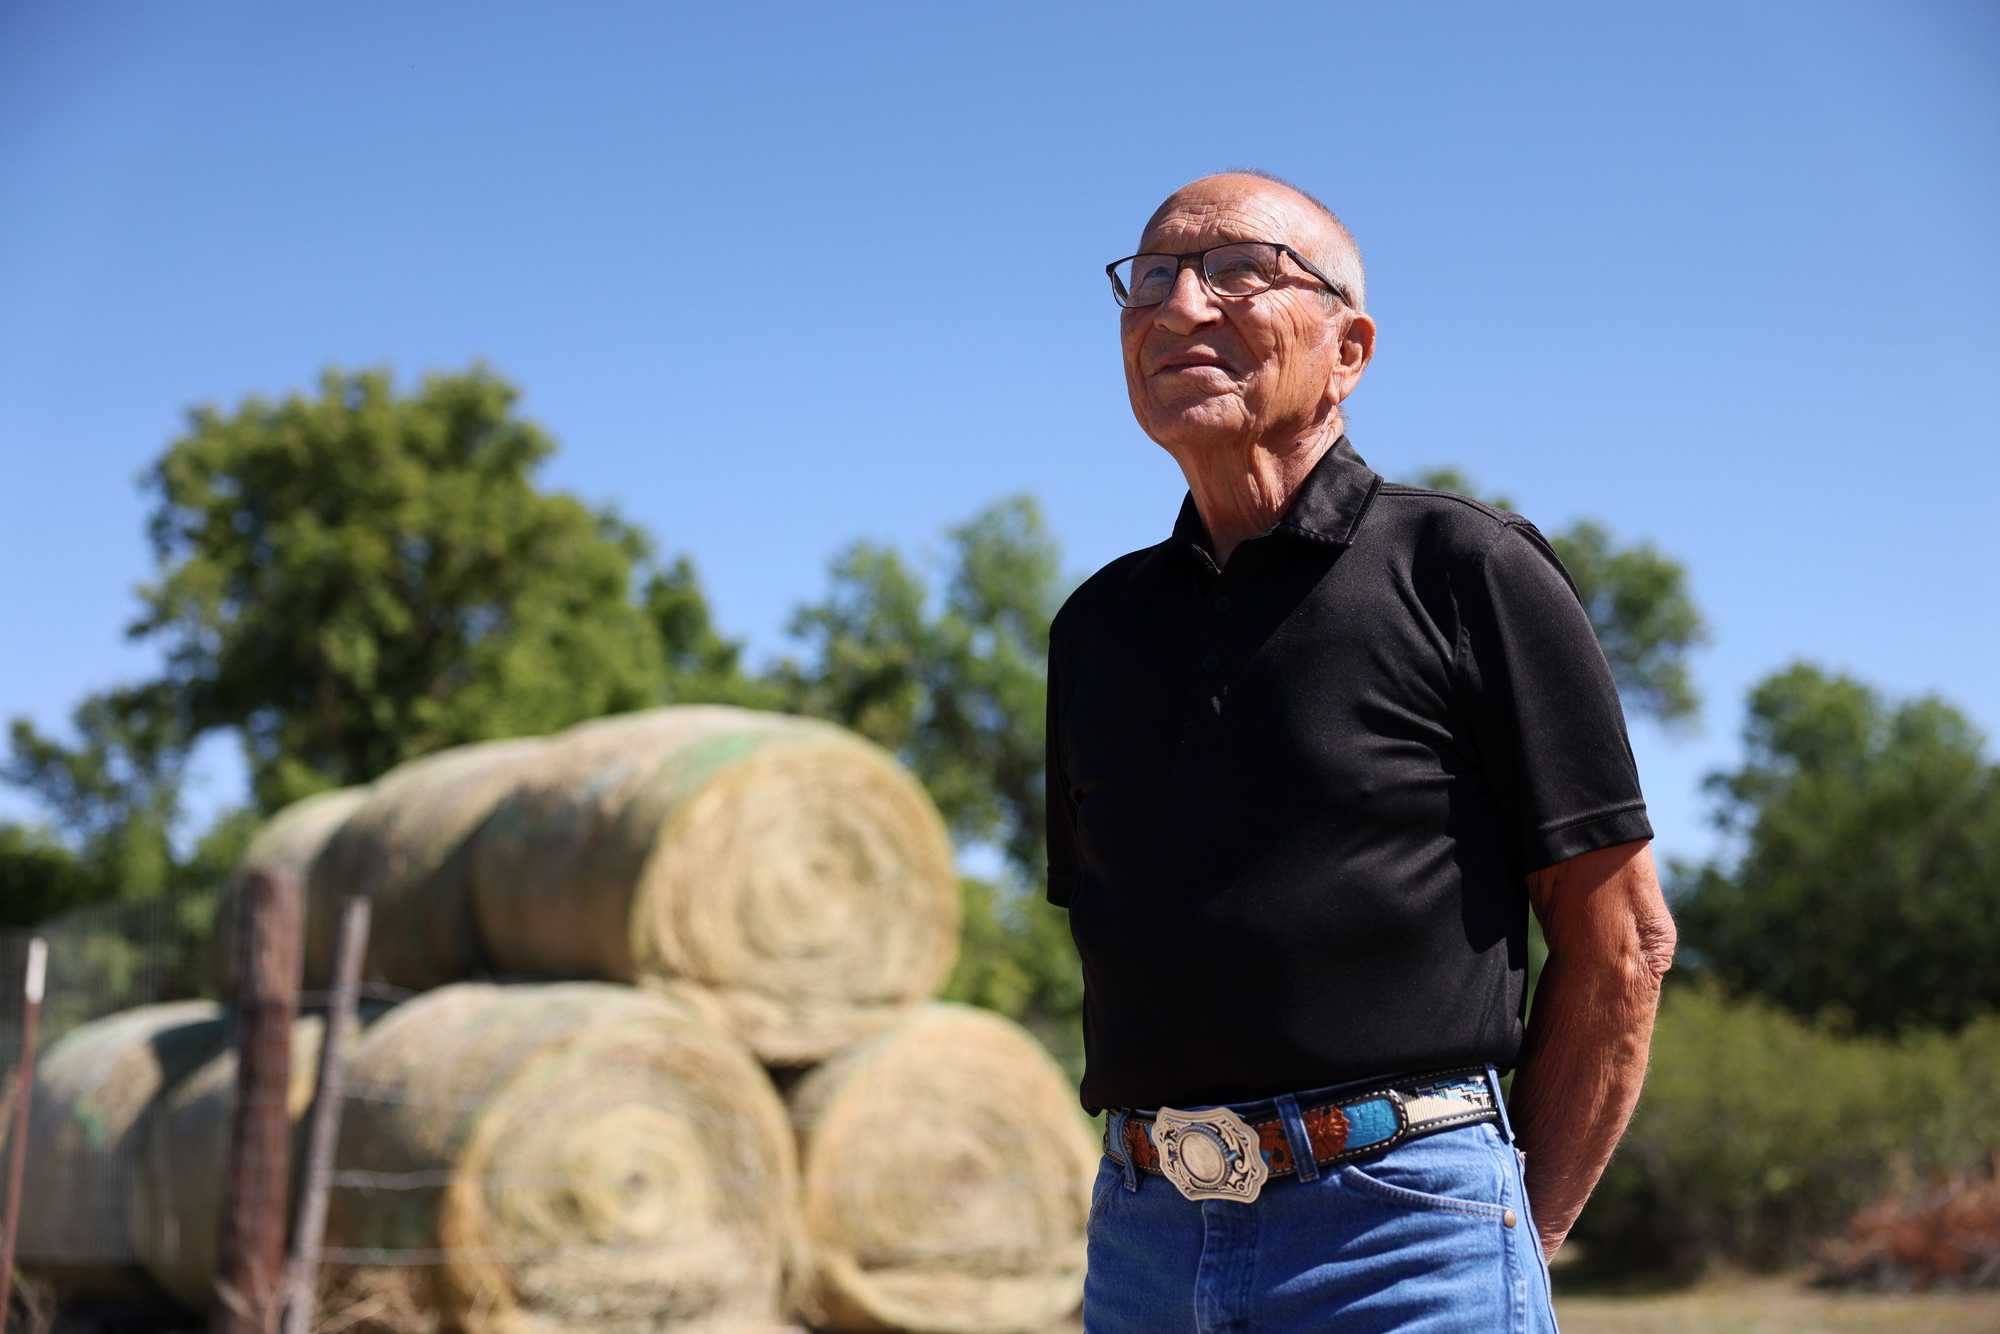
x,y
1356,349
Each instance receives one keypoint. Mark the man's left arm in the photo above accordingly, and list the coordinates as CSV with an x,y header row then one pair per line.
x,y
1610,941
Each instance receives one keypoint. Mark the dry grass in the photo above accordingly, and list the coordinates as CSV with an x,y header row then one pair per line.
x,y
1755,1305
1778,1306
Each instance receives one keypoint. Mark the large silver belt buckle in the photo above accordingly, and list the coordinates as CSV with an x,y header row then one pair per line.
x,y
1210,1155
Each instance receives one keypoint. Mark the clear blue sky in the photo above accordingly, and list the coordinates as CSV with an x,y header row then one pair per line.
x,y
779,277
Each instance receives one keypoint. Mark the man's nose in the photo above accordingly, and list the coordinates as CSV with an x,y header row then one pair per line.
x,y
1190,305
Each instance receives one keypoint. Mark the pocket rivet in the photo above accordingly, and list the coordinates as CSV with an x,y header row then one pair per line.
x,y
1508,1218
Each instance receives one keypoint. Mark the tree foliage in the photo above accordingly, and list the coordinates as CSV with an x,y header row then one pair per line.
x,y
344,581
1760,1134
1015,957
1638,600
1863,889
133,913
699,665
41,878
957,686
957,690
115,795
355,578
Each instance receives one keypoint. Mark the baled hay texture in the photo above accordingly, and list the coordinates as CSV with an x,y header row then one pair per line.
x,y
568,1156
94,1091
178,1198
785,864
947,1175
404,847
286,845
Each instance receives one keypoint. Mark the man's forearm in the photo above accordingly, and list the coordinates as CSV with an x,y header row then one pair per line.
x,y
1610,941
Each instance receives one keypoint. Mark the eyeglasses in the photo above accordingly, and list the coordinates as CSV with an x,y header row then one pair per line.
x,y
1233,269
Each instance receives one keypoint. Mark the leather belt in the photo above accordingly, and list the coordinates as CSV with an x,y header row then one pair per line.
x,y
1217,1153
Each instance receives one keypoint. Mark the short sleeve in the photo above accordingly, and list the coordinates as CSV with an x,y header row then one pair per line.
x,y
1061,820
1545,715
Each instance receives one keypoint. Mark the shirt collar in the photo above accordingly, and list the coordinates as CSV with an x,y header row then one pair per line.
x,y
1327,507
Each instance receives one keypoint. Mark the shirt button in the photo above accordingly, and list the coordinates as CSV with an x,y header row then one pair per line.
x,y
1508,1218
1222,603
1209,662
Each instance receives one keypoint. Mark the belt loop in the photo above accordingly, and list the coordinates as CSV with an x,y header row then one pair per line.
x,y
1120,1150
1499,1102
1303,1160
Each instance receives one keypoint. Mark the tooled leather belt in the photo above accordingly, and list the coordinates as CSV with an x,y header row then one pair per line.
x,y
1219,1154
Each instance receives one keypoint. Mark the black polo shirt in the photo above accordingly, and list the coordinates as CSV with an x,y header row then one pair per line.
x,y
1292,802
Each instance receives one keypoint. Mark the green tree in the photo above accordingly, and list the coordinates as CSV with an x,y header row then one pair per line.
x,y
699,664
355,578
957,691
1638,601
41,878
114,944
1015,957
1862,890
115,794
345,580
130,916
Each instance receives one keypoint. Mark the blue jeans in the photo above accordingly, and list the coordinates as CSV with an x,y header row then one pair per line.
x,y
1418,1239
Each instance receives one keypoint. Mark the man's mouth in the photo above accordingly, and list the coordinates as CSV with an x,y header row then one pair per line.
x,y
1181,361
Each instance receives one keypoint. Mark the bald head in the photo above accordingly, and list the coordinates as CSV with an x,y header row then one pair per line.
x,y
1315,230
1213,376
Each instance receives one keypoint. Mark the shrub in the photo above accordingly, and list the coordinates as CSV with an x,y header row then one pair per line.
x,y
1758,1134
1944,1235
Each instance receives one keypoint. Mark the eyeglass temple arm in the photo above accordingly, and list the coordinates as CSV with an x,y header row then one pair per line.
x,y
1309,267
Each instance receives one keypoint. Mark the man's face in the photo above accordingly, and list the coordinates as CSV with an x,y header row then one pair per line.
x,y
1208,371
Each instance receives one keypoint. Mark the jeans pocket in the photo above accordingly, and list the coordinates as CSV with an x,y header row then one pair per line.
x,y
1360,1181
1110,1175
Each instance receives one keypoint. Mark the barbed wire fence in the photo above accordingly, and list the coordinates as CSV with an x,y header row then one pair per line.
x,y
95,961
118,959
101,959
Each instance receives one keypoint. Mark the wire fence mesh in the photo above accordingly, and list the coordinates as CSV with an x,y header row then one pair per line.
x,y
607,1199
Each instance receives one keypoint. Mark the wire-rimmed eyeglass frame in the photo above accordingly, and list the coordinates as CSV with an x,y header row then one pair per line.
x,y
1124,298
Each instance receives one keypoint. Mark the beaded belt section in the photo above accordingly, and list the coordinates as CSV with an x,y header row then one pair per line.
x,y
1216,1154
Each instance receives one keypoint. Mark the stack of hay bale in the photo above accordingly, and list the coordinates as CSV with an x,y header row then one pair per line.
x,y
738,903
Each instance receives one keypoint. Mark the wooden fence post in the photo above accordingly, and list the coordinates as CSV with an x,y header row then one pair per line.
x,y
24,1098
249,1269
323,1128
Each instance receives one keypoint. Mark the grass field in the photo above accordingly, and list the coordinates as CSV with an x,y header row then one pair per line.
x,y
1759,1305
1776,1306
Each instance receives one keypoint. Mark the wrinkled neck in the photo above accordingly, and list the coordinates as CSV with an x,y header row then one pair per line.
x,y
1243,487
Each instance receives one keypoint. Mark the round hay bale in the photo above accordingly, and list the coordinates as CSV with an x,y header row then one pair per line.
x,y
286,845
946,1175
178,1196
404,847
94,1090
785,864
559,1156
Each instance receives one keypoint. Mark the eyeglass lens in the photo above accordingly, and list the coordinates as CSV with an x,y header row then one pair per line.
x,y
1242,269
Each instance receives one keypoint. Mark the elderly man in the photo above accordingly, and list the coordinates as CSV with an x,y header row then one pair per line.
x,y
1310,761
